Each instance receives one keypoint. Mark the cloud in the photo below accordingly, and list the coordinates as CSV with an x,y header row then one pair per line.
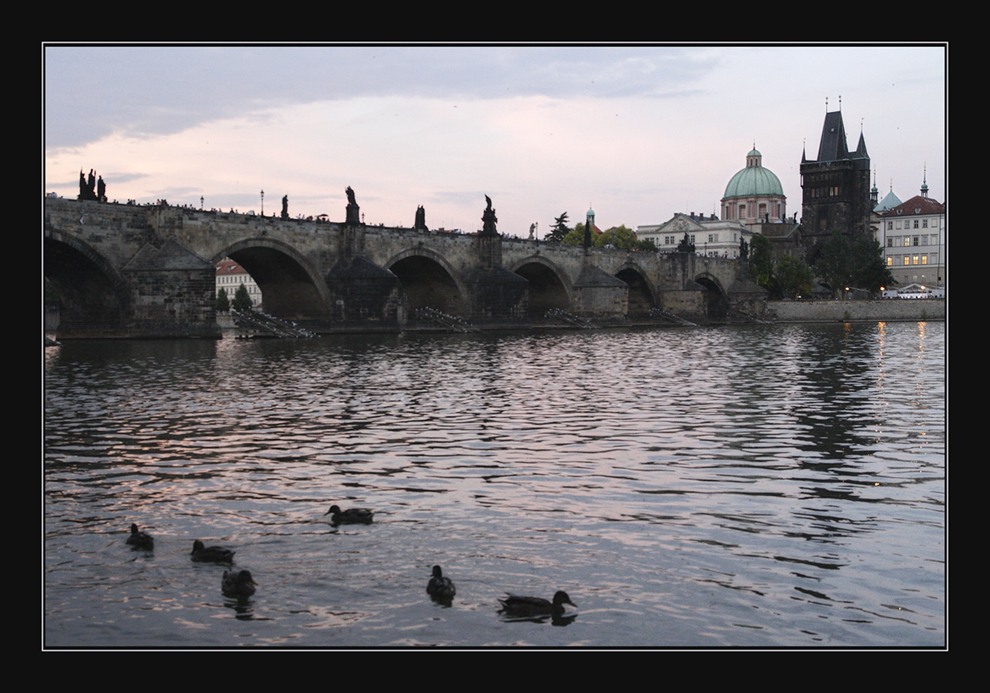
x,y
92,91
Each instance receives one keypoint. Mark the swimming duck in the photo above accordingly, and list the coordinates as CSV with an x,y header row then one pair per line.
x,y
535,606
439,587
211,554
140,540
353,516
238,583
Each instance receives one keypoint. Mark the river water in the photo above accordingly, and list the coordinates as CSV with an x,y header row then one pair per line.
x,y
725,487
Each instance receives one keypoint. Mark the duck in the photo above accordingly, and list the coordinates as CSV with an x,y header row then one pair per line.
x,y
352,516
515,605
439,587
140,540
211,554
238,583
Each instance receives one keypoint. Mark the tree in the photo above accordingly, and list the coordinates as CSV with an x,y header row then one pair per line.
x,y
792,277
646,244
761,260
223,303
559,229
242,301
617,237
870,270
852,263
832,265
576,236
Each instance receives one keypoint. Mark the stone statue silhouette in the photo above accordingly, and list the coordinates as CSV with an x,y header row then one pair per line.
x,y
489,219
421,219
285,206
353,211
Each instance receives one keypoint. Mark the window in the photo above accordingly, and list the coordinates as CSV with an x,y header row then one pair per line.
x,y
907,260
890,226
924,223
907,241
890,261
915,223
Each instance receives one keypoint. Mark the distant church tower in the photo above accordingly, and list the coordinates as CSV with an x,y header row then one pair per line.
x,y
836,187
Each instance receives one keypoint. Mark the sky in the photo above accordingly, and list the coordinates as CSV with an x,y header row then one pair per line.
x,y
635,132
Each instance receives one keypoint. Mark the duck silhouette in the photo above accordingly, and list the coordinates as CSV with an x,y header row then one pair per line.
x,y
140,540
238,583
439,587
211,554
352,516
516,605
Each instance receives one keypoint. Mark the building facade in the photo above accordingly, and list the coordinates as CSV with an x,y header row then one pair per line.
x,y
231,275
712,237
914,236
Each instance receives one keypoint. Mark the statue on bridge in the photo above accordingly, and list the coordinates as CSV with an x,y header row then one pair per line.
x,y
489,219
88,187
685,246
285,206
421,219
353,211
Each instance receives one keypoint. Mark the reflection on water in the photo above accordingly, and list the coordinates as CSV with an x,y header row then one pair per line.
x,y
746,486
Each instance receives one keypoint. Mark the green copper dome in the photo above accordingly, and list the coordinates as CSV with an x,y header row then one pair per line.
x,y
754,180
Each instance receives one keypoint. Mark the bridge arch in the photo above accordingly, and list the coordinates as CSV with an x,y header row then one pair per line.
x,y
549,286
429,281
290,287
716,297
642,293
93,293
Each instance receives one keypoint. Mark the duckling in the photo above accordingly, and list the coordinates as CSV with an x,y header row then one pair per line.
x,y
439,587
211,554
238,583
140,540
353,516
535,606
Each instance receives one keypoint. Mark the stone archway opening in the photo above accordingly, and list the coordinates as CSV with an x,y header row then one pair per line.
x,y
427,284
640,297
716,301
84,299
288,291
546,291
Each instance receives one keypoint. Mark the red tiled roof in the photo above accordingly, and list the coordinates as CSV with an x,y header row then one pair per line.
x,y
916,205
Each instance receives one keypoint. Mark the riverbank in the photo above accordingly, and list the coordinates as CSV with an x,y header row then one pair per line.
x,y
890,310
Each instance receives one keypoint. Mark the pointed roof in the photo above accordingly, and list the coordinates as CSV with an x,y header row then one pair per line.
x,y
888,202
833,146
833,143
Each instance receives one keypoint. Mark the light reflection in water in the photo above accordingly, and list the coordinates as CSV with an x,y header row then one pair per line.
x,y
710,487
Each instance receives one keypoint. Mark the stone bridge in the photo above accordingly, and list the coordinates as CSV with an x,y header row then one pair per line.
x,y
149,271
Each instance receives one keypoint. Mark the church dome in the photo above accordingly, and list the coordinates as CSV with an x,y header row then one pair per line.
x,y
754,180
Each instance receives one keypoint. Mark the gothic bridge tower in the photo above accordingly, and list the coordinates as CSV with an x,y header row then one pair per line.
x,y
836,188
